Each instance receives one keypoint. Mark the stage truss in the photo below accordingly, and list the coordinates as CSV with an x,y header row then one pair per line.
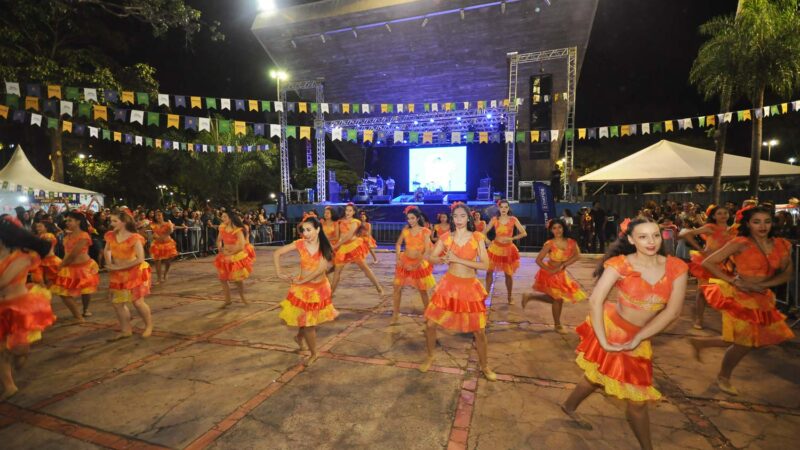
x,y
319,133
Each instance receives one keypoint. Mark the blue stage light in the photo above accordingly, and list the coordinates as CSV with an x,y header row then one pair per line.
x,y
489,116
458,118
431,120
416,123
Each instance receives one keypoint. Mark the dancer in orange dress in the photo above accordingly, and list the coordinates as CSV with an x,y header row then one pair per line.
x,y
412,269
365,233
248,247
441,227
233,263
129,274
749,317
480,224
24,310
350,249
615,351
78,273
163,248
716,233
552,278
308,302
503,254
330,225
458,300
48,268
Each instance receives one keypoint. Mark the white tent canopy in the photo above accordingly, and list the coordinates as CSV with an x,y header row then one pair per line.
x,y
20,172
670,161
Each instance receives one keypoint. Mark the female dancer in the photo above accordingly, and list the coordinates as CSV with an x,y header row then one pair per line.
x,y
503,254
412,268
749,317
552,278
330,225
458,300
308,302
441,227
716,233
248,247
77,273
615,351
24,311
232,262
129,274
349,249
48,269
163,248
365,233
480,224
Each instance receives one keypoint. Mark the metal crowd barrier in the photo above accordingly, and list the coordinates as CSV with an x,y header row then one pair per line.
x,y
791,298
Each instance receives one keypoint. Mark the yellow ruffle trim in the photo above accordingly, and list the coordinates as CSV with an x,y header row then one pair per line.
x,y
614,387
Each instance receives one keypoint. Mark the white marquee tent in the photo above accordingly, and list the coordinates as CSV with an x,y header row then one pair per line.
x,y
670,161
19,175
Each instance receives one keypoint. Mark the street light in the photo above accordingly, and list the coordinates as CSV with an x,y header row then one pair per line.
x,y
792,160
769,145
81,156
278,76
267,7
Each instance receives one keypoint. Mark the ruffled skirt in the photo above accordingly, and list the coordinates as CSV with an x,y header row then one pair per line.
x,y
626,375
458,304
308,304
23,318
504,257
417,273
369,242
129,285
163,250
76,279
558,286
351,252
237,267
748,318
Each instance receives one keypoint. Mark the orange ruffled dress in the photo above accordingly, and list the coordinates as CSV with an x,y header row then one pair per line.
x,y
480,226
714,241
627,375
47,270
503,257
308,304
559,285
329,228
414,272
161,250
750,318
236,267
352,250
458,303
366,236
24,317
77,279
133,283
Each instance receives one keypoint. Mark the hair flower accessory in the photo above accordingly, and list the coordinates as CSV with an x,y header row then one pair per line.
x,y
710,207
623,227
408,209
454,205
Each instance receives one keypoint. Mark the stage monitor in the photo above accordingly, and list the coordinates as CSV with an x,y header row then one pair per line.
x,y
437,169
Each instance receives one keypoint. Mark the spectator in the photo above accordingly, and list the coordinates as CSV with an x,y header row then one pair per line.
x,y
599,221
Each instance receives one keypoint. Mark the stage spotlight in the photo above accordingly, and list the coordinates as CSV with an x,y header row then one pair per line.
x,y
267,6
388,124
431,120
416,123
489,116
22,199
537,9
458,118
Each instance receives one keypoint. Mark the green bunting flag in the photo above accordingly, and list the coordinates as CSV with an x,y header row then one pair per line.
x,y
142,98
72,94
52,123
291,132
352,135
211,103
106,134
265,106
224,126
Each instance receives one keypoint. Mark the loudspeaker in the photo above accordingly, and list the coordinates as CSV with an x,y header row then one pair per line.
x,y
455,197
361,199
381,199
437,199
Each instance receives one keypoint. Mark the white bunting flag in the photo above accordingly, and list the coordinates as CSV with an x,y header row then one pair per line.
x,y
66,108
687,124
205,148
455,137
324,107
163,100
553,135
278,106
399,107
603,132
646,128
796,105
204,124
728,116
493,104
365,108
12,87
94,132
466,105
225,103
137,116
137,140
90,94
434,107
510,136
766,111
398,136
274,130
336,134
36,119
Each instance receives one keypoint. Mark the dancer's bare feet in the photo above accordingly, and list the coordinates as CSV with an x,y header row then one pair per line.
x,y
8,393
560,329
489,374
148,331
695,349
311,360
576,419
299,341
510,300
725,386
426,364
120,337
226,304
525,299
380,290
395,319
698,325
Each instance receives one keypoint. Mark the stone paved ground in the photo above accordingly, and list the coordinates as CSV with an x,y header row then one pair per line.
x,y
212,378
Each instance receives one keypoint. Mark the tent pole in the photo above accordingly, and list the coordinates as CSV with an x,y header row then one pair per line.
x,y
600,189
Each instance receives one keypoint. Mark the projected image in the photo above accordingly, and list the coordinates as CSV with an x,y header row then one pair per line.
x,y
437,169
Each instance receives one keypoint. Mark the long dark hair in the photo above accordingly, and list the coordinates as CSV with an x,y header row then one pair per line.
x,y
418,214
510,213
710,217
558,221
470,223
235,219
324,243
744,228
124,217
16,237
334,213
622,247
80,217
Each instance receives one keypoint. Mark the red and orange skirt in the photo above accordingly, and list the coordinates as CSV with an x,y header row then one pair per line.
x,y
351,251
369,242
748,318
237,267
503,257
308,304
626,375
559,286
163,250
23,318
129,285
251,251
76,279
458,304
417,273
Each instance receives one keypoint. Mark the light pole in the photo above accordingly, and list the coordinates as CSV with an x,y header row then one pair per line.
x,y
278,76
769,145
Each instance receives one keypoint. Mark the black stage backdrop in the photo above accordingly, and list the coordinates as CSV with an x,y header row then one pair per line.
x,y
483,160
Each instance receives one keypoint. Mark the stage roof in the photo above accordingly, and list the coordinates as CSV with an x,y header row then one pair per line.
x,y
670,161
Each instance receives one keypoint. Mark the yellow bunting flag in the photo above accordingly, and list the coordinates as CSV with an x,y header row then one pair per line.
x,y
239,127
32,103
505,102
117,136
746,114
368,135
427,137
127,97
346,108
100,112
483,137
625,130
195,102
173,121
252,105
158,143
534,136
711,120
384,108
305,133
302,107
66,126
54,91
581,133
410,107
784,108
668,126
4,111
